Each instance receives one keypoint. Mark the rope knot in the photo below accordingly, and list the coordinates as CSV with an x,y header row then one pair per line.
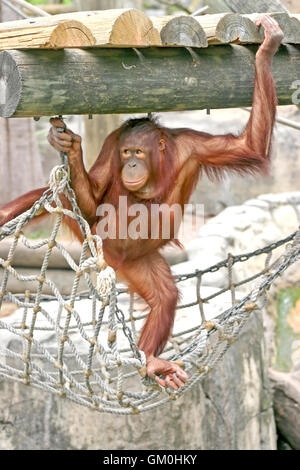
x,y
58,179
105,281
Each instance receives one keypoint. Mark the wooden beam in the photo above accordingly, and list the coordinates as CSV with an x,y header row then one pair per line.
x,y
107,28
132,28
103,81
242,6
180,30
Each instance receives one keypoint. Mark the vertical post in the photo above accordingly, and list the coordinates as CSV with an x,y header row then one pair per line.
x,y
21,167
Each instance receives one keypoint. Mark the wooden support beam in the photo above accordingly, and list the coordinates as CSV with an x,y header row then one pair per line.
x,y
107,28
180,30
103,81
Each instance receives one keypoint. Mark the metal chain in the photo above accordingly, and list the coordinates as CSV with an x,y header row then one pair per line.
x,y
238,258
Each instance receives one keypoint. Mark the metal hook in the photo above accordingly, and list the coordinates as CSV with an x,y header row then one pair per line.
x,y
195,57
128,67
141,57
62,129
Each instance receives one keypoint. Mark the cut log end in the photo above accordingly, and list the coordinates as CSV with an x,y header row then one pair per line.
x,y
183,31
10,85
234,27
295,30
290,26
73,33
134,28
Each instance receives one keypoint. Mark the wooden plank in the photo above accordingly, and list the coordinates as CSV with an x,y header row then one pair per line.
x,y
104,81
109,28
180,30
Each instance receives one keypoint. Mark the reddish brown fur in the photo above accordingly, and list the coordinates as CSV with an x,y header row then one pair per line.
x,y
175,171
162,163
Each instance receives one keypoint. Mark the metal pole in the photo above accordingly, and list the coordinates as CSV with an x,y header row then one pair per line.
x,y
15,9
35,10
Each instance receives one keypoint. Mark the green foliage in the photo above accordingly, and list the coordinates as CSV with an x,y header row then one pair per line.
x,y
36,2
287,338
43,2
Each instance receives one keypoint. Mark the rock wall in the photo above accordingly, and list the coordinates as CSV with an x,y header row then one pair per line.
x,y
230,409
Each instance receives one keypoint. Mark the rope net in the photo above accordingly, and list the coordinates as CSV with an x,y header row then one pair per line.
x,y
84,346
